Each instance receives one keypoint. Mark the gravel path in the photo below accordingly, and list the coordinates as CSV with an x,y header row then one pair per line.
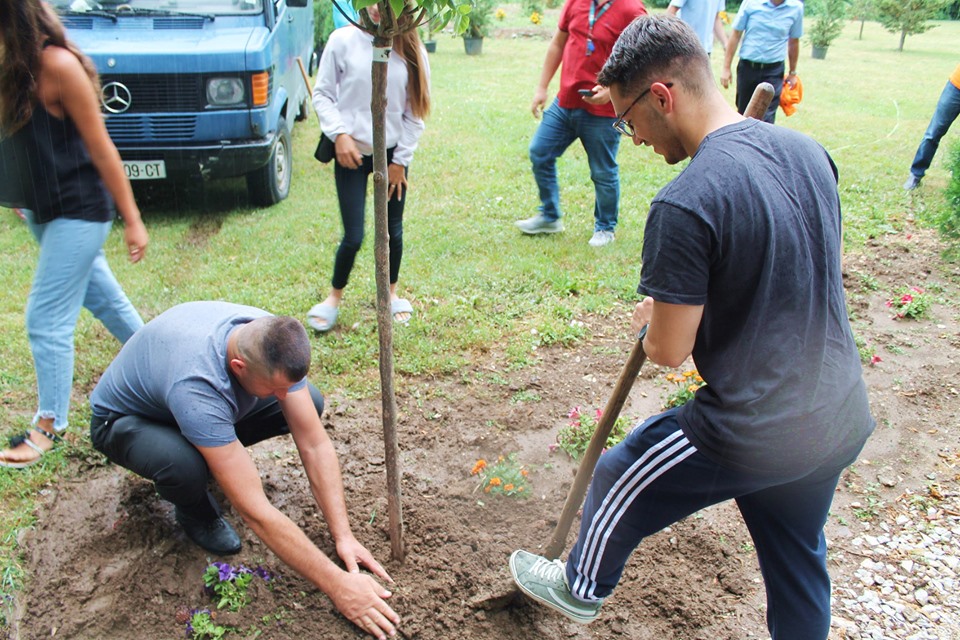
x,y
907,584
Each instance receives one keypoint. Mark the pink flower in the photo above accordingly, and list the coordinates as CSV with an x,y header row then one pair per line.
x,y
574,413
889,303
874,359
599,413
917,289
553,447
906,298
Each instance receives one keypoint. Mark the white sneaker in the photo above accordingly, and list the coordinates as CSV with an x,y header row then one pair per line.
x,y
538,224
601,238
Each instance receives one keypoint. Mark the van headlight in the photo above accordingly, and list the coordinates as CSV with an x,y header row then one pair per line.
x,y
225,92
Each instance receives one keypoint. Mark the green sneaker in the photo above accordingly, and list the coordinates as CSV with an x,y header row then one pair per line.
x,y
546,582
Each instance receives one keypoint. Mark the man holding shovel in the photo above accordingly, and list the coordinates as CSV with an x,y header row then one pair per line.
x,y
741,268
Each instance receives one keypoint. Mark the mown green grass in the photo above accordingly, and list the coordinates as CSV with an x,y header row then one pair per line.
x,y
476,283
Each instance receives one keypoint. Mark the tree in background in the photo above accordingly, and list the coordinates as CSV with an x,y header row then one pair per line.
x,y
863,10
909,17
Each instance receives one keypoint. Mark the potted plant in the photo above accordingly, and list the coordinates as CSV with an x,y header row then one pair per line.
x,y
830,15
481,18
429,41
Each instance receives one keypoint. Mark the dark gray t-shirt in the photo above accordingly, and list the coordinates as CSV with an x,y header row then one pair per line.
x,y
751,230
174,370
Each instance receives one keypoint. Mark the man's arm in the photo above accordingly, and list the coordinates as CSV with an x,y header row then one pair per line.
x,y
550,65
793,54
673,9
326,483
720,32
728,53
357,596
672,330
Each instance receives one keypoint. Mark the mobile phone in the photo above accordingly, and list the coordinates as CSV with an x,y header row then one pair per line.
x,y
586,93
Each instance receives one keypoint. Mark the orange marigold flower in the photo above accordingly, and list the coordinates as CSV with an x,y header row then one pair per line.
x,y
487,489
698,378
495,481
689,374
477,468
524,472
693,388
519,489
508,487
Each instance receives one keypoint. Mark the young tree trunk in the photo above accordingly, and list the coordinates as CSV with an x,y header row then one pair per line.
x,y
863,21
903,37
378,106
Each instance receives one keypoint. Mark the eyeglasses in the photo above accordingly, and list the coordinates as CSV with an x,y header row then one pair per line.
x,y
626,128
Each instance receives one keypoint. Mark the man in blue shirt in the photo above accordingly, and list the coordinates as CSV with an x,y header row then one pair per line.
x,y
704,17
770,30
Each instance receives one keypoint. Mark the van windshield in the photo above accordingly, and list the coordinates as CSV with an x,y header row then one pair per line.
x,y
161,7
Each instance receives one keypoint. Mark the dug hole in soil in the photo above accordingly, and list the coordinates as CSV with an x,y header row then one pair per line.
x,y
107,560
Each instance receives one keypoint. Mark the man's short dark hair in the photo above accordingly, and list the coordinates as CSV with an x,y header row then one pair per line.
x,y
656,48
277,343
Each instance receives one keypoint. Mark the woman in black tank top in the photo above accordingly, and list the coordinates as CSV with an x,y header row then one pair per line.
x,y
70,186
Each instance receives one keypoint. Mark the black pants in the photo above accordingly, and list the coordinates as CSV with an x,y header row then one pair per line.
x,y
749,76
352,195
158,451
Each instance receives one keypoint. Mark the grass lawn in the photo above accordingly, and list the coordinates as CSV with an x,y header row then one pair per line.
x,y
476,283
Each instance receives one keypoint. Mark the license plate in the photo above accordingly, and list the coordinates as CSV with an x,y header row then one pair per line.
x,y
145,169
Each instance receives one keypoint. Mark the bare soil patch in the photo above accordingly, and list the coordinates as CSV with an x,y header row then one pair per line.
x,y
108,561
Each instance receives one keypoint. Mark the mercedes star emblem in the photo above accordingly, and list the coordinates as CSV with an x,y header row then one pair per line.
x,y
115,97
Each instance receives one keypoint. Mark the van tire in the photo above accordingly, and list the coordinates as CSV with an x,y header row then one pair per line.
x,y
270,184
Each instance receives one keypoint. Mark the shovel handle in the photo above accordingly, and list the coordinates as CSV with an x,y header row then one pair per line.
x,y
631,369
759,101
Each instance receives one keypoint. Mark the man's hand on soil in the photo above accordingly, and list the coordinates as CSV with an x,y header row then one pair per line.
x,y
360,599
355,555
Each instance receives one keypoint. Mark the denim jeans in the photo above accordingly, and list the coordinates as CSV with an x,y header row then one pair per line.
x,y
948,108
559,128
72,271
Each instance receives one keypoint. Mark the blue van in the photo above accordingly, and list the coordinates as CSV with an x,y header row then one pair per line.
x,y
200,88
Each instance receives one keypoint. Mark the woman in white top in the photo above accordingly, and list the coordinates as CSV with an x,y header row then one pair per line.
x,y
341,97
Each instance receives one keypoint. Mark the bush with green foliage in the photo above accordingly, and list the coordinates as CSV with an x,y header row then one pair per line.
x,y
950,222
830,15
908,17
481,18
322,22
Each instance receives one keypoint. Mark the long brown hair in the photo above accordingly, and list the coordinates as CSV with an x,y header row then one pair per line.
x,y
25,27
408,45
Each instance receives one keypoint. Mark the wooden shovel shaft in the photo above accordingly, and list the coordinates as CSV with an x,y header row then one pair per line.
x,y
759,101
599,440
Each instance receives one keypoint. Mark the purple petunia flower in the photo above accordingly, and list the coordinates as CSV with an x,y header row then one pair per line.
x,y
262,573
225,571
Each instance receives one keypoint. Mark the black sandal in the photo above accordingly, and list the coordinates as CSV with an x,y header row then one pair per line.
x,y
24,438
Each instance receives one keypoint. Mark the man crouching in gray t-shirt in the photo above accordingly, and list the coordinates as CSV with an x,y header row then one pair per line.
x,y
183,398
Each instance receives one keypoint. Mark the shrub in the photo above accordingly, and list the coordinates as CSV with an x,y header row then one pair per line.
x,y
950,222
576,436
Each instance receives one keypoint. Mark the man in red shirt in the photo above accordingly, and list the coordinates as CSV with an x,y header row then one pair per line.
x,y
583,41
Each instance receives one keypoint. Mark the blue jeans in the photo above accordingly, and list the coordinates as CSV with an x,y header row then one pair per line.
x,y
560,127
948,108
72,271
656,477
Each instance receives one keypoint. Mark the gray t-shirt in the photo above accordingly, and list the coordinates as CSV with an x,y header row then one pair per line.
x,y
751,230
174,370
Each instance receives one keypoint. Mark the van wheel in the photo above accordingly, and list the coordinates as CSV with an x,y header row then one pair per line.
x,y
270,184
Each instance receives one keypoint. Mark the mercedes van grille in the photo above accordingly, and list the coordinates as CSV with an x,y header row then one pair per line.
x,y
159,92
151,128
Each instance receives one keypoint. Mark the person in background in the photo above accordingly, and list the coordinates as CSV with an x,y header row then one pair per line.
x,y
948,108
74,186
704,17
741,266
770,31
583,40
341,98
